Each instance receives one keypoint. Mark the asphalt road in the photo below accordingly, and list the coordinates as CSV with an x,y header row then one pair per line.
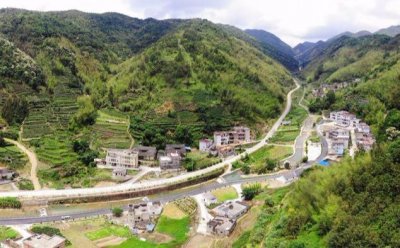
x,y
166,197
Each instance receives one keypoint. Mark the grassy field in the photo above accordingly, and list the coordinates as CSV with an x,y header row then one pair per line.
x,y
109,230
12,157
201,159
7,233
225,194
259,157
111,130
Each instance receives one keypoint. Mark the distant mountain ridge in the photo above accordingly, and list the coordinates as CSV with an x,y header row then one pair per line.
x,y
275,47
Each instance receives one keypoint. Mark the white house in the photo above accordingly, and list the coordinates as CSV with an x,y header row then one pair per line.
x,y
205,145
122,158
209,199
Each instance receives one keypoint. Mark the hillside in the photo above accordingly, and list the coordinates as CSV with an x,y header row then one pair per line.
x,y
390,31
201,74
346,58
275,47
100,79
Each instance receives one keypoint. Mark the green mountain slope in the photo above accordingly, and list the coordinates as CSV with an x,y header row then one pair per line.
x,y
346,58
204,73
175,80
275,47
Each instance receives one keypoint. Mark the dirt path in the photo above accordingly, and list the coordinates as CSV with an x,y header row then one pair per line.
x,y
33,161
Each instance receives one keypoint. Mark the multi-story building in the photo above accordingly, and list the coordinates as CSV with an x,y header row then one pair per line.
x,y
147,155
235,136
145,214
344,118
122,158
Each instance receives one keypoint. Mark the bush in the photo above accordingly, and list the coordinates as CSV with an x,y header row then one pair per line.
x,y
117,212
251,191
305,159
10,202
25,184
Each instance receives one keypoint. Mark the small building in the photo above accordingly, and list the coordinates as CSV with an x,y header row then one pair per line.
x,y
170,162
6,174
119,173
231,209
365,141
221,226
127,158
286,123
209,199
344,118
43,240
205,145
146,155
363,127
175,148
238,135
145,214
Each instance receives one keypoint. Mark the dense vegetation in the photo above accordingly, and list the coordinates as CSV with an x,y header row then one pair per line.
x,y
10,202
103,79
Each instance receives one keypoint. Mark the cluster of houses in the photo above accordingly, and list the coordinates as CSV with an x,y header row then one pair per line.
x,y
6,175
325,88
121,160
339,135
224,142
225,215
35,241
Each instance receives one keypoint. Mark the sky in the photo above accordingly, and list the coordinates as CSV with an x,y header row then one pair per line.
x,y
294,21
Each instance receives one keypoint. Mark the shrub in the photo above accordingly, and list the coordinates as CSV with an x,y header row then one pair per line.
x,y
25,184
251,191
117,212
10,202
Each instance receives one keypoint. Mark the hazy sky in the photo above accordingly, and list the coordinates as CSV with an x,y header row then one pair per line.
x,y
293,21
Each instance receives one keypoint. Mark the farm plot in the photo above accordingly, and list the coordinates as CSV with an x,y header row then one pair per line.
x,y
111,130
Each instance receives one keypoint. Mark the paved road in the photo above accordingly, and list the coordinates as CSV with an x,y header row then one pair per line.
x,y
166,197
32,160
139,186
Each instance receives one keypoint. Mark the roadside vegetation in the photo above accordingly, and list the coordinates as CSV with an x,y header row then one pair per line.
x,y
10,202
8,233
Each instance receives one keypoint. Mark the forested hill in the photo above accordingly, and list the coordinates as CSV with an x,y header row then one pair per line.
x,y
275,47
202,68
102,79
353,203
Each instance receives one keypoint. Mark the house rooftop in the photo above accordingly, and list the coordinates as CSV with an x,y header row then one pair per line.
x,y
43,240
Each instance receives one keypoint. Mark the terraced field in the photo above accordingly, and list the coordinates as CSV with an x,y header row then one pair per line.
x,y
111,130
47,115
55,150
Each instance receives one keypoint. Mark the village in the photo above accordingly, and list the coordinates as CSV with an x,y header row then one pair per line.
x,y
120,161
344,132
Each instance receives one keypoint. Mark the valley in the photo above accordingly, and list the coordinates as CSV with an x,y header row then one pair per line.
x,y
124,132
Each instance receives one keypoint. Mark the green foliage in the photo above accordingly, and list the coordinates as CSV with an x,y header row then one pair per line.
x,y
25,184
50,231
249,192
10,202
7,233
86,114
117,212
12,156
15,110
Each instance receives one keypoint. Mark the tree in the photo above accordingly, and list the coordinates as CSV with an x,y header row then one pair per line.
x,y
15,110
305,159
111,97
330,98
86,114
117,212
2,142
251,191
270,164
246,169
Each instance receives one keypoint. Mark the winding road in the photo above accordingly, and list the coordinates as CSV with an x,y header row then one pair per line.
x,y
32,160
147,185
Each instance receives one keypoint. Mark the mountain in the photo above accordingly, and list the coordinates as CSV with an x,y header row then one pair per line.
x,y
275,47
175,80
346,58
350,34
390,31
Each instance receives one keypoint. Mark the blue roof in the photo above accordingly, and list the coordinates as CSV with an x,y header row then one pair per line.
x,y
324,162
150,227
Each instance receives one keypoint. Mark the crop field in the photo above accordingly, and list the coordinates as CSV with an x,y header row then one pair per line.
x,y
12,157
55,150
111,130
47,115
225,194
